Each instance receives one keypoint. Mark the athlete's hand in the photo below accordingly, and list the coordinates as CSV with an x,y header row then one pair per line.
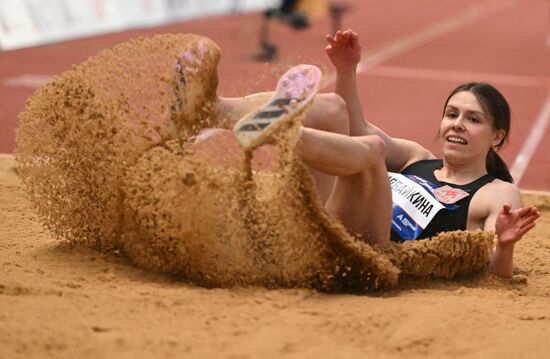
x,y
511,225
344,50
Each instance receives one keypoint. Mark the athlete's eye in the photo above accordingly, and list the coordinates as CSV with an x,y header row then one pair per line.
x,y
475,120
450,114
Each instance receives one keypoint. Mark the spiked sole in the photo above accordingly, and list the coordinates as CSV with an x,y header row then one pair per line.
x,y
295,90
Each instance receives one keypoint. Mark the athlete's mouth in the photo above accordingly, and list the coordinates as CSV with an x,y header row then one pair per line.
x,y
456,139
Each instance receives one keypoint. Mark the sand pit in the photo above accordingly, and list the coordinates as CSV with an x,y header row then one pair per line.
x,y
105,152
65,301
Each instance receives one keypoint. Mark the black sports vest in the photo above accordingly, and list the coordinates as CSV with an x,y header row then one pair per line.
x,y
444,220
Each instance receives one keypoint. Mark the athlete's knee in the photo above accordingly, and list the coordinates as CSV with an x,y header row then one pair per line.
x,y
328,113
375,149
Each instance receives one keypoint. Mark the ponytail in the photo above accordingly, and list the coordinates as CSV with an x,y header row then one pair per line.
x,y
497,168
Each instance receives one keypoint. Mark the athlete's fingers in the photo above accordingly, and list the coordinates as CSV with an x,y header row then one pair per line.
x,y
530,218
526,229
534,212
354,40
523,211
534,209
527,220
346,36
331,40
506,209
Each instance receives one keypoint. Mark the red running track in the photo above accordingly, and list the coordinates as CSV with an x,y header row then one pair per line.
x,y
415,54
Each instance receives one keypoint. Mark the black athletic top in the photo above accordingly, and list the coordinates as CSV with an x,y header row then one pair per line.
x,y
444,220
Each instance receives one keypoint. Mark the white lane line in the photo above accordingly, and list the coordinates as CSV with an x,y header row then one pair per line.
x,y
531,143
27,80
458,76
406,43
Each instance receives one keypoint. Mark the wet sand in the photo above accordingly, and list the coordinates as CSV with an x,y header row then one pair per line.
x,y
66,301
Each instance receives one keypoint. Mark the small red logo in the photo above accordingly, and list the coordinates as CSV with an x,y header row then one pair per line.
x,y
449,195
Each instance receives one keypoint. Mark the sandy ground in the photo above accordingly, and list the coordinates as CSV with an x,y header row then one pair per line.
x,y
64,301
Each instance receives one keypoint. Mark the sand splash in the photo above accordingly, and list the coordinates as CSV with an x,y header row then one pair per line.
x,y
106,153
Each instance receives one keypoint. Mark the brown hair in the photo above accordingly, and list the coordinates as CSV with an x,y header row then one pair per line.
x,y
494,103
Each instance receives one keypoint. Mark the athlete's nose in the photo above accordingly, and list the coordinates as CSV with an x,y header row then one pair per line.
x,y
458,123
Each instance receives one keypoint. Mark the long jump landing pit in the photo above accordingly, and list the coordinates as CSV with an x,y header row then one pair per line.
x,y
102,150
106,153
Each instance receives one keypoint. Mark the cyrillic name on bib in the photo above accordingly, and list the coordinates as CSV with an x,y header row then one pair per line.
x,y
414,204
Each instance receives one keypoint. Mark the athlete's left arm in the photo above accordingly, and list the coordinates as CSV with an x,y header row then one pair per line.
x,y
510,220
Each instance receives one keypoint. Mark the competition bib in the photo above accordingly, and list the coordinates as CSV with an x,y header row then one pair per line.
x,y
415,203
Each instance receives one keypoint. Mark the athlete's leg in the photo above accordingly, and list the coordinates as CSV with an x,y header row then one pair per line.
x,y
361,197
327,113
229,110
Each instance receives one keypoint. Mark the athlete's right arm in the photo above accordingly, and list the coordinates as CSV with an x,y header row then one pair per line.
x,y
344,51
399,152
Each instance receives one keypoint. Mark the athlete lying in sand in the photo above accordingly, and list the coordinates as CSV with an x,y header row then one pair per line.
x,y
475,123
471,180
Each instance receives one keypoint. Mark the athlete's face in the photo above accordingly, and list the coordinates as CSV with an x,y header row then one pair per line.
x,y
467,132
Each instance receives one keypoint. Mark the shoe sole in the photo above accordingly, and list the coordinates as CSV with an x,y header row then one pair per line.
x,y
295,90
